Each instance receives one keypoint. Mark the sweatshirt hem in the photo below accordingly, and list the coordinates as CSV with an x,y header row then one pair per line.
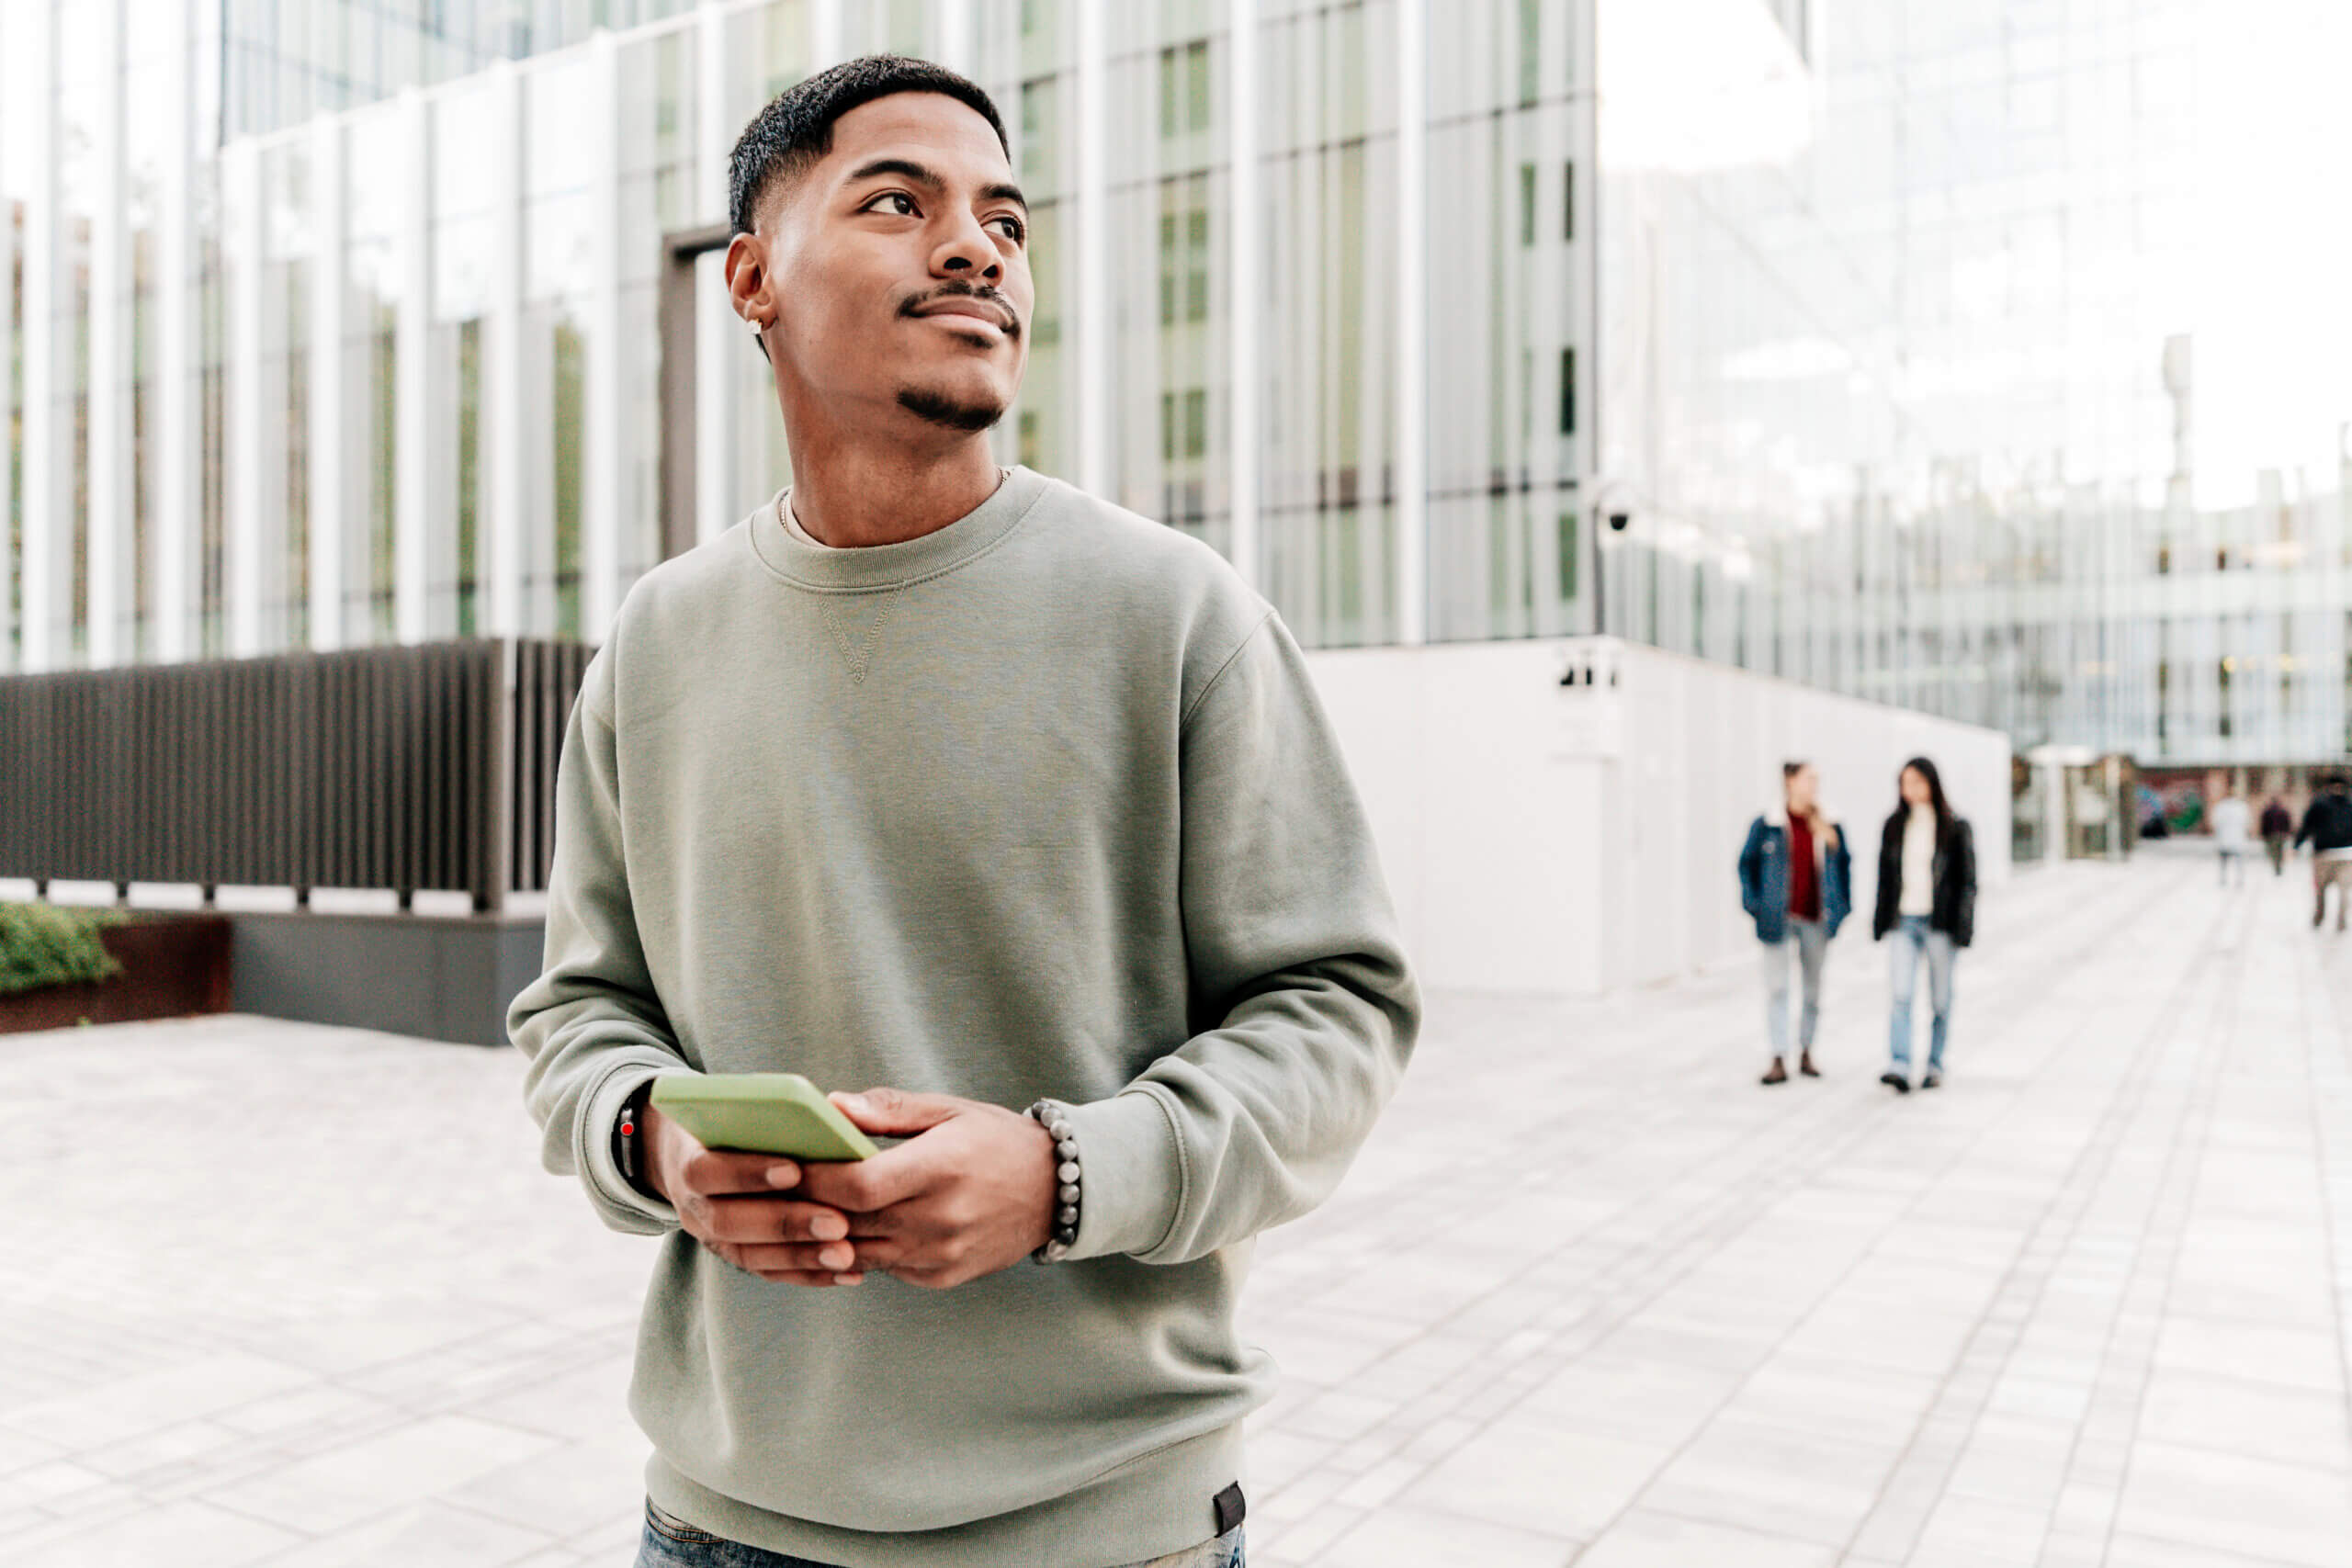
x,y
1159,1502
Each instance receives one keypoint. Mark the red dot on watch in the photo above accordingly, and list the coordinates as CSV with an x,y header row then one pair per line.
x,y
628,1128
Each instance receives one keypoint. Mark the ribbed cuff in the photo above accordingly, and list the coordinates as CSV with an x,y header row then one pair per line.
x,y
623,1206
1132,1188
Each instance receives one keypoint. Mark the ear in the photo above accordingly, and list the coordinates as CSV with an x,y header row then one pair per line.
x,y
746,267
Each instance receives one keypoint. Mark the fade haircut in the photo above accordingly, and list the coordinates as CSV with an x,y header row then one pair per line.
x,y
787,138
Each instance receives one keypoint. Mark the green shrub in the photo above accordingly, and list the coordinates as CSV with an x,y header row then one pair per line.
x,y
41,944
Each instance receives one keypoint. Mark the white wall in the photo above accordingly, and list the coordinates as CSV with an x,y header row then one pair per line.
x,y
1574,839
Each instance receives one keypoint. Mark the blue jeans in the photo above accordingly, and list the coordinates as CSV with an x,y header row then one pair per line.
x,y
671,1542
1910,938
1811,941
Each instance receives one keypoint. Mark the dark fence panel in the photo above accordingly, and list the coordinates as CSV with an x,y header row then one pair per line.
x,y
425,766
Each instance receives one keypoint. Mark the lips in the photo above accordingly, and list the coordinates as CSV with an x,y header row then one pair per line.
x,y
982,309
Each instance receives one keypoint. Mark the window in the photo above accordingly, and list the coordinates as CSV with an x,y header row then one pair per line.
x,y
1567,540
1168,268
1185,252
1184,89
1567,391
1568,202
1530,51
1184,424
1039,126
1196,265
1527,204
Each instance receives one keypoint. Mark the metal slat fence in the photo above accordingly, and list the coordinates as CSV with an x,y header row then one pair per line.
x,y
426,766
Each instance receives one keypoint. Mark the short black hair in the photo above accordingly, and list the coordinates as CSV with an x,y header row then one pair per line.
x,y
785,139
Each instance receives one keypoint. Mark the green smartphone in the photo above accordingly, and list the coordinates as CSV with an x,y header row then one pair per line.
x,y
767,1114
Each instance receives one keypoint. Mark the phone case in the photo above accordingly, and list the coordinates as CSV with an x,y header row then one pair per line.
x,y
768,1113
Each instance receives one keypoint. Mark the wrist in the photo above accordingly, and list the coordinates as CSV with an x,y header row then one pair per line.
x,y
636,1142
1066,1195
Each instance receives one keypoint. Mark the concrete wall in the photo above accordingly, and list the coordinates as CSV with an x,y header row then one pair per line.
x,y
1571,840
435,978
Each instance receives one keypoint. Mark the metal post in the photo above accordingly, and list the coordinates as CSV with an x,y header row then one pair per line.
x,y
109,490
412,316
174,512
1412,322
325,388
46,501
1247,275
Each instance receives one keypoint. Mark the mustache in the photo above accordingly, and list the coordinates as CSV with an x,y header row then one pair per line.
x,y
913,303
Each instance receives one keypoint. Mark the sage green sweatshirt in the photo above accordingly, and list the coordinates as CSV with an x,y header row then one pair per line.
x,y
1041,804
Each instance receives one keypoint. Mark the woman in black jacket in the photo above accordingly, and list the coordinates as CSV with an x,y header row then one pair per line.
x,y
1926,901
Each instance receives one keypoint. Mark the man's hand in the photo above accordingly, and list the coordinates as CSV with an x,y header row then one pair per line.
x,y
730,1202
970,1191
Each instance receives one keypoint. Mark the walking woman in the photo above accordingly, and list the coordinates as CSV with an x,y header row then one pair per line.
x,y
1796,883
1926,901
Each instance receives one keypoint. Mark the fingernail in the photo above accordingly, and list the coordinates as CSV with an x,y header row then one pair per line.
x,y
828,1227
784,1174
853,1102
849,1278
837,1257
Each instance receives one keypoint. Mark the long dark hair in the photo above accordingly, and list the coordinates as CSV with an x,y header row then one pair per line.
x,y
1935,794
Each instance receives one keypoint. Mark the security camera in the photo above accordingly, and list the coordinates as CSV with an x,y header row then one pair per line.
x,y
1619,521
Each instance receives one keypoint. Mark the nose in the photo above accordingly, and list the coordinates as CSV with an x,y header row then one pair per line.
x,y
966,252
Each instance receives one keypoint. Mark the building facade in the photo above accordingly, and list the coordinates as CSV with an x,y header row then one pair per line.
x,y
1873,324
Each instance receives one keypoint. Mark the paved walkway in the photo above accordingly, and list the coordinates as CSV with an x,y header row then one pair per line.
x,y
302,1296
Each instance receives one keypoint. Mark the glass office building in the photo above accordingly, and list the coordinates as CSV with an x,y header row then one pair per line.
x,y
1875,324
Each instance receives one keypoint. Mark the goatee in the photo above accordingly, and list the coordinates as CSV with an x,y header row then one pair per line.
x,y
939,408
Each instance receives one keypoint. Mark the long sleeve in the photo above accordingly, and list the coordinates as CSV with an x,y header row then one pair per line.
x,y
1751,868
1964,875
592,1023
1295,958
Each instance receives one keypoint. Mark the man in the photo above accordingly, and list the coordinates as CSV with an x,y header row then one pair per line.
x,y
2327,827
2276,825
2233,835
949,779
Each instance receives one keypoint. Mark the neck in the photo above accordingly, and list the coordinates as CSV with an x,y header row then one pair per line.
x,y
854,489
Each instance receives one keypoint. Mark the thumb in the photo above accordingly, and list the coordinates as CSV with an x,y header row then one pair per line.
x,y
894,1112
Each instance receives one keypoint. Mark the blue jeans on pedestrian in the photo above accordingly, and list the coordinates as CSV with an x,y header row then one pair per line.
x,y
1810,941
671,1542
1910,939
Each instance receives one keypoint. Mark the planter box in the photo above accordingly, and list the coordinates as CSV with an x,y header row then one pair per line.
x,y
171,965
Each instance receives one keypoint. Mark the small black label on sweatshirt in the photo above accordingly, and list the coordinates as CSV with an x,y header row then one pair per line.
x,y
1231,1509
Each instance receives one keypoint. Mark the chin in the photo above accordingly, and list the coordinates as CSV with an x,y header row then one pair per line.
x,y
957,404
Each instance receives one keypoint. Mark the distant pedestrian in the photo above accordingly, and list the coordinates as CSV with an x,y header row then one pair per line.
x,y
2278,826
2232,837
1926,901
1796,883
2327,827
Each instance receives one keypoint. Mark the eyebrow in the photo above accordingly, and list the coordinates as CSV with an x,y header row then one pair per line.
x,y
923,175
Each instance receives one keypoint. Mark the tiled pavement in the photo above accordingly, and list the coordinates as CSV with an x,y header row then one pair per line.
x,y
302,1296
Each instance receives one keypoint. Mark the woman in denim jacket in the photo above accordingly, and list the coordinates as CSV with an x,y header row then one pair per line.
x,y
1796,883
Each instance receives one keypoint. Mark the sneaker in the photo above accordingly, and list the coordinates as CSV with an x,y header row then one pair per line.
x,y
1778,1075
1895,1081
1932,1080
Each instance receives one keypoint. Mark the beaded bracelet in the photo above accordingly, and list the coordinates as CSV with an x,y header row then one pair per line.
x,y
1051,1117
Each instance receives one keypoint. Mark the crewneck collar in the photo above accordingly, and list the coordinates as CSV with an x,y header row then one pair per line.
x,y
868,568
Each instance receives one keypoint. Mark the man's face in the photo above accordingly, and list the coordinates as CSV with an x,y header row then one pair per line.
x,y
898,267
